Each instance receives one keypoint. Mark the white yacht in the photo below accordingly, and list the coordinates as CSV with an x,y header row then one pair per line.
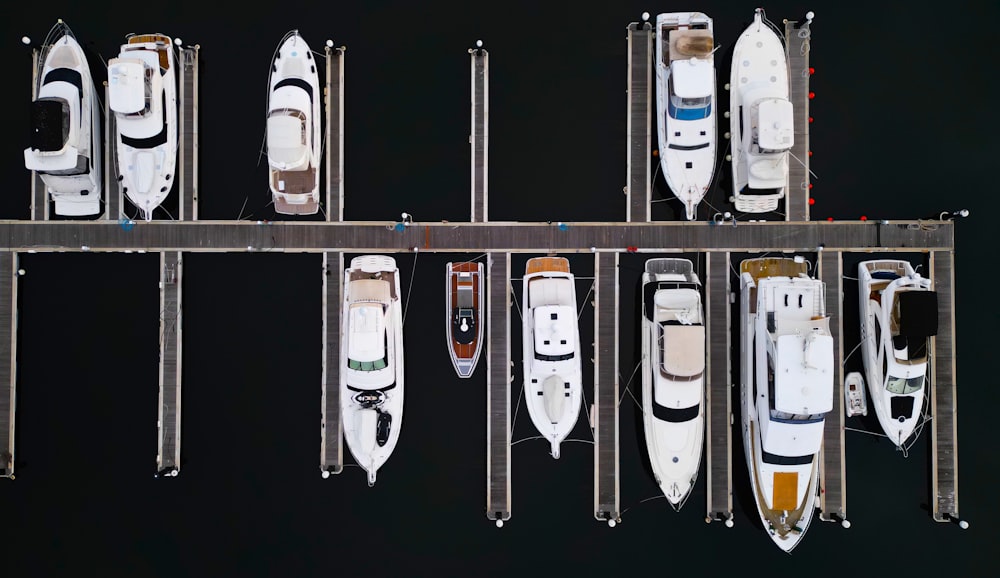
x,y
65,143
685,104
898,315
142,93
673,375
760,116
293,128
371,361
786,390
552,372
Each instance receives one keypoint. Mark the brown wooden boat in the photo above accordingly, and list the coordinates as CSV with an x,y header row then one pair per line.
x,y
464,304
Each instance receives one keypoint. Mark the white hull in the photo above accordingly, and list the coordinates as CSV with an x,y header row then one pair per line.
x,y
552,378
786,367
673,391
371,393
891,378
71,170
293,128
760,119
686,126
143,96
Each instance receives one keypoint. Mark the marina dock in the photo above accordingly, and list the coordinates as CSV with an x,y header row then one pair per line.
x,y
334,238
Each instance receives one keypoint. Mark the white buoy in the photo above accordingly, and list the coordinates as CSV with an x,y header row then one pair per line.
x,y
611,523
729,157
726,135
25,40
593,249
963,525
845,523
479,44
729,522
645,16
499,523
21,271
726,114
963,213
329,43
178,41
810,15
326,474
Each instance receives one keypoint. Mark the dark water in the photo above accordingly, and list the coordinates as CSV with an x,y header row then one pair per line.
x,y
902,130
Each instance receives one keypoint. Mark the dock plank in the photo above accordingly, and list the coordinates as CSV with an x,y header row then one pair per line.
x,y
833,478
332,433
606,475
188,132
498,388
334,133
719,390
169,422
944,409
797,36
8,361
479,139
640,92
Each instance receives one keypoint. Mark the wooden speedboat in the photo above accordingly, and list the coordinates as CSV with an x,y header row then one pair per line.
x,y
464,311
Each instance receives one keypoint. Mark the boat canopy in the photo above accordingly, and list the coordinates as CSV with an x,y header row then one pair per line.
x,y
286,136
803,374
366,342
128,90
693,78
775,124
683,349
551,291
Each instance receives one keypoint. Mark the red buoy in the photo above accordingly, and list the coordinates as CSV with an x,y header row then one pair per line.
x,y
810,119
812,94
864,218
810,153
810,185
829,218
812,201
812,70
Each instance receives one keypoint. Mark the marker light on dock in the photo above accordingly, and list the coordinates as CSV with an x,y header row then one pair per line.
x,y
812,94
729,522
645,16
812,70
178,41
329,43
499,523
25,40
326,474
479,44
812,201
963,524
611,523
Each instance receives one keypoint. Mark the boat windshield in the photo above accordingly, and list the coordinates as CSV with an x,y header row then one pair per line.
x,y
367,365
688,108
903,386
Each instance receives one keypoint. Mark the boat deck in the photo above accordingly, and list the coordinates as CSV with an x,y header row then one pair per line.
x,y
168,450
833,478
8,361
797,54
606,497
479,139
498,379
640,95
719,392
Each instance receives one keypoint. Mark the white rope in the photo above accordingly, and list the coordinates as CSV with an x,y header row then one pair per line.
x,y
629,382
585,299
413,273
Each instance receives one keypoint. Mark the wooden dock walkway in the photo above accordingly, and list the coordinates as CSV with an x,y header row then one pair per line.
x,y
331,430
168,424
479,139
334,133
187,162
944,408
719,392
797,36
833,476
498,379
606,496
8,361
640,95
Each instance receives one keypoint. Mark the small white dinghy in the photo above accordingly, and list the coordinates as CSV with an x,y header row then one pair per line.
x,y
855,402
